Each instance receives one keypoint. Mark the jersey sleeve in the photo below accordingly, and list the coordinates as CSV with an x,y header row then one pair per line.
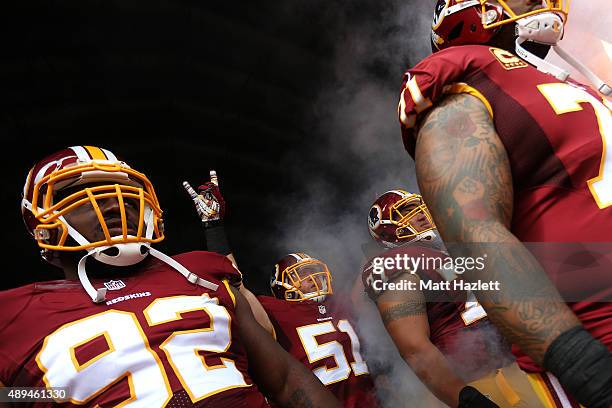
x,y
12,303
211,265
269,303
231,273
438,74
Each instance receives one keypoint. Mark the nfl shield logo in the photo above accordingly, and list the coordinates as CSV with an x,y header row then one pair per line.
x,y
114,285
322,309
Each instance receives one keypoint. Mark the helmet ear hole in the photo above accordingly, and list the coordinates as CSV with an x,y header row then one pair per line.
x,y
455,32
112,251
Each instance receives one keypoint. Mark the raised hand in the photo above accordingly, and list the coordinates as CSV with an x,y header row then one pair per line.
x,y
208,201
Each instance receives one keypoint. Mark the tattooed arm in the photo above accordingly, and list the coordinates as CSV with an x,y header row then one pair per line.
x,y
405,319
281,377
464,175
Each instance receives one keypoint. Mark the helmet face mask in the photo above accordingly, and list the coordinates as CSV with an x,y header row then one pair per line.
x,y
398,217
405,216
523,9
105,207
300,277
64,185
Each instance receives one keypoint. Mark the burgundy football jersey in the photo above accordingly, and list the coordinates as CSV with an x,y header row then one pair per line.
x,y
156,341
321,336
458,325
555,134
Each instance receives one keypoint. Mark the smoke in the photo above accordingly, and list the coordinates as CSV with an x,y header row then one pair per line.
x,y
354,153
587,33
396,383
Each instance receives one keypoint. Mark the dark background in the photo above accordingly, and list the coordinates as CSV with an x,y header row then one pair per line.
x,y
292,102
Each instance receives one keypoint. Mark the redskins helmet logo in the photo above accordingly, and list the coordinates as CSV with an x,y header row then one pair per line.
x,y
374,216
438,12
275,277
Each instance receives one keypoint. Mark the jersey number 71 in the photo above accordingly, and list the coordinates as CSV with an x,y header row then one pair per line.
x,y
564,98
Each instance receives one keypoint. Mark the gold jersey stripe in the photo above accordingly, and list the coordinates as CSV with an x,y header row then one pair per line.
x,y
461,87
506,389
541,390
274,333
227,286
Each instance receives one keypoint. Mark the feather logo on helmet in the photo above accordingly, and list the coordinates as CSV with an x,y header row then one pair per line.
x,y
374,216
438,12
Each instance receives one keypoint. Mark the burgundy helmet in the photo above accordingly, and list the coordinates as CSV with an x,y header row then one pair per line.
x,y
457,22
83,175
398,217
92,181
300,277
461,22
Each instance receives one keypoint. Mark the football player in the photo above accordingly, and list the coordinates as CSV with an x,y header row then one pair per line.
x,y
444,335
302,315
131,326
508,149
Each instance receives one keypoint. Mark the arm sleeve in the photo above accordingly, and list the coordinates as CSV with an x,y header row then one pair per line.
x,y
215,238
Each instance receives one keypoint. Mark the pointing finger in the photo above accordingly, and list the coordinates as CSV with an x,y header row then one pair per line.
x,y
213,178
190,190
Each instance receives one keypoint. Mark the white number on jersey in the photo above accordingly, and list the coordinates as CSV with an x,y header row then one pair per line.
x,y
564,98
128,354
315,351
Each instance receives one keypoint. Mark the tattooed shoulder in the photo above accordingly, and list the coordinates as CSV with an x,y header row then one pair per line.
x,y
462,165
412,308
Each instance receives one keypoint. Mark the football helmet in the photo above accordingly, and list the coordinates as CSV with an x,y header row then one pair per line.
x,y
299,277
460,22
88,174
79,176
398,217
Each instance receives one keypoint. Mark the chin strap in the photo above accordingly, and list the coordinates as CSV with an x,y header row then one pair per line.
x,y
539,63
421,236
547,28
190,276
601,86
99,295
559,73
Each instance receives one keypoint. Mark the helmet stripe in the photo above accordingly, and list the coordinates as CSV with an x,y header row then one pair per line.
x,y
26,188
110,155
401,193
81,153
96,153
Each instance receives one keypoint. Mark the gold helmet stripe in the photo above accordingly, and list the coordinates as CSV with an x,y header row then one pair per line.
x,y
96,153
